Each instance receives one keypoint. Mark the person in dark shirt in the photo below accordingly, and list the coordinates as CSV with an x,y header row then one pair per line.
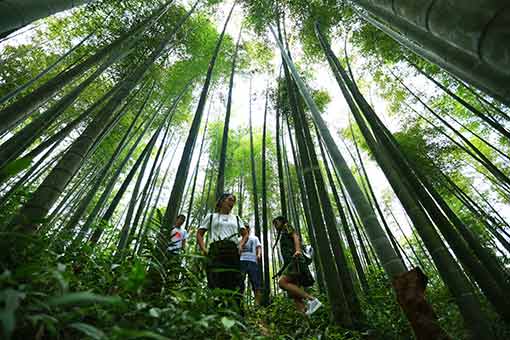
x,y
295,268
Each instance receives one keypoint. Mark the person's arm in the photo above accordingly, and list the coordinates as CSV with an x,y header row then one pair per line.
x,y
244,238
259,252
185,237
297,244
200,240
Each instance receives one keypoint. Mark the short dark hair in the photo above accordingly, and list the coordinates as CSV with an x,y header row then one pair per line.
x,y
282,219
181,216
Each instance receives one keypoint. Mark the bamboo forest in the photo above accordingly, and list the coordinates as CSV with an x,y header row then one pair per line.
x,y
255,169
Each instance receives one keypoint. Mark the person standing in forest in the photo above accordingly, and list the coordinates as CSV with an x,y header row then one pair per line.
x,y
295,272
178,236
223,266
251,255
176,246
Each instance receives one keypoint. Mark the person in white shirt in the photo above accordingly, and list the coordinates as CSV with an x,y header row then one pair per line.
x,y
223,228
251,255
178,236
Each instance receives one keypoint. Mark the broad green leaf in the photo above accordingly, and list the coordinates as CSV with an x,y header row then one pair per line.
x,y
11,299
5,275
90,330
155,312
42,317
81,298
227,323
141,305
64,285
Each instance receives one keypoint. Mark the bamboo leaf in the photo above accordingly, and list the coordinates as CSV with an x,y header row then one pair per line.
x,y
227,323
11,299
134,334
155,312
14,167
90,330
81,298
64,285
43,318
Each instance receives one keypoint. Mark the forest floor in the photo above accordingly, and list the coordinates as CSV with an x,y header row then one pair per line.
x,y
82,295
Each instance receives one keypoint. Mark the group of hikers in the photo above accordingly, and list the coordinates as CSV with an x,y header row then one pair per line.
x,y
232,253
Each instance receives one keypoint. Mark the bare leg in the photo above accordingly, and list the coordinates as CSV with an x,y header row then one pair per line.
x,y
258,296
297,293
300,305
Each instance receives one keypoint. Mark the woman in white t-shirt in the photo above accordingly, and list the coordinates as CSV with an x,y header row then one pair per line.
x,y
223,253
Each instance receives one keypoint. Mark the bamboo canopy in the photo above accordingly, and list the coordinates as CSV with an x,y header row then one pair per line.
x,y
376,132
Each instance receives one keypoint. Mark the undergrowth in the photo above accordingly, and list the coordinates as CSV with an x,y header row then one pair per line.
x,y
83,295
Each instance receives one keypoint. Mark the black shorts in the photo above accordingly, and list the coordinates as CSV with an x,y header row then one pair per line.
x,y
297,270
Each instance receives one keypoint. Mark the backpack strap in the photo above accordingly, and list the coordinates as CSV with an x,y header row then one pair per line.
x,y
210,225
238,225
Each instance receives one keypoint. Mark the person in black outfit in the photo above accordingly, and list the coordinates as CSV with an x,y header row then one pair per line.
x,y
295,272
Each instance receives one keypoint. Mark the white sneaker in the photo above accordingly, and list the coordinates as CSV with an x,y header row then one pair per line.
x,y
312,306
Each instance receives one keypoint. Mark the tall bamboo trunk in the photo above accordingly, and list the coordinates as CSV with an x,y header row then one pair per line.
x,y
265,240
125,184
125,231
343,219
458,244
18,143
255,194
390,261
31,173
470,148
240,194
281,181
147,221
44,197
354,223
374,200
182,171
476,209
108,189
58,137
111,183
15,14
73,221
220,183
192,197
487,119
334,285
306,209
144,199
332,230
41,74
72,192
431,30
119,48
447,266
